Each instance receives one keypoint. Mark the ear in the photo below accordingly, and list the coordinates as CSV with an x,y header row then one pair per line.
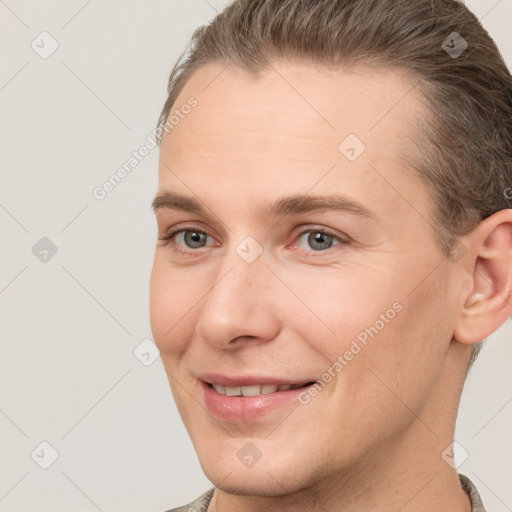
x,y
489,260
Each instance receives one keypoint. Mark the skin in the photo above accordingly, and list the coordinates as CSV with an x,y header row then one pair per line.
x,y
372,439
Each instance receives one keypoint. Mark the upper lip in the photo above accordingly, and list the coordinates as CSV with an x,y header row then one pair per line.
x,y
248,380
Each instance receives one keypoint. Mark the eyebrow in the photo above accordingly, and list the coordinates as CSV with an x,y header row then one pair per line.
x,y
292,205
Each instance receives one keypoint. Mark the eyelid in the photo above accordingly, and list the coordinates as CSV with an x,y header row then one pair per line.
x,y
168,236
186,226
315,228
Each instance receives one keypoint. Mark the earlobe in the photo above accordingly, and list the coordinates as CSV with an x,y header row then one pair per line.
x,y
489,303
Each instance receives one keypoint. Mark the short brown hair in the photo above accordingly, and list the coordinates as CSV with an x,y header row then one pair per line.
x,y
465,152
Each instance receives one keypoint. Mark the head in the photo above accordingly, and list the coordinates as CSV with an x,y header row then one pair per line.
x,y
334,210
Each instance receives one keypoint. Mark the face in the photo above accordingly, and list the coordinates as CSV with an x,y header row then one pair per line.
x,y
294,255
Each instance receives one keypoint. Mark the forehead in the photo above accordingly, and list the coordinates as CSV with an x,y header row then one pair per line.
x,y
293,101
286,127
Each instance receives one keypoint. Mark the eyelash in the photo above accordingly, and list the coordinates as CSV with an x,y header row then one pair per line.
x,y
167,238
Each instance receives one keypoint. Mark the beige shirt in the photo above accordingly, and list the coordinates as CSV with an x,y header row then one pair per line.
x,y
201,504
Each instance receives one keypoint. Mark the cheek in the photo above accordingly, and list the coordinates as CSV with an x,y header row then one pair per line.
x,y
159,303
403,361
374,321
172,308
340,306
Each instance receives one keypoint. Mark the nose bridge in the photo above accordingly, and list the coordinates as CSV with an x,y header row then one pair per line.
x,y
238,303
242,267
245,259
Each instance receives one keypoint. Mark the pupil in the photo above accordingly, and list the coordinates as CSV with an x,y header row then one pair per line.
x,y
194,239
320,241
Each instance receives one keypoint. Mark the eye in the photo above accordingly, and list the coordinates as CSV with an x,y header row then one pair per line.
x,y
317,240
192,239
189,238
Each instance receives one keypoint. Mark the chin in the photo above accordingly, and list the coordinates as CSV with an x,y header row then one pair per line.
x,y
263,479
252,485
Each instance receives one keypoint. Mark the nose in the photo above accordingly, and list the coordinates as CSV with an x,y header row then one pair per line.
x,y
240,305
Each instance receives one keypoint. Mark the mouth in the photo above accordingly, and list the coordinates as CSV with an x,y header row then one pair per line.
x,y
255,389
246,399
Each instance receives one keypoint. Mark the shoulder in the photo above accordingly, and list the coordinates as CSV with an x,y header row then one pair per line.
x,y
469,487
198,505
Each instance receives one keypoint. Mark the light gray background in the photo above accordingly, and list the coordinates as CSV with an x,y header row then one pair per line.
x,y
68,374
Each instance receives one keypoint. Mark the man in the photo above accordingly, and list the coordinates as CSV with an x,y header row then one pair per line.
x,y
334,244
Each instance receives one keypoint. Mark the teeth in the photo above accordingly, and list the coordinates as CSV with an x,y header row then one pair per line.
x,y
233,391
220,389
250,390
265,389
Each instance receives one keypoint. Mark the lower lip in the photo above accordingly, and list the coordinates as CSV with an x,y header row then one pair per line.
x,y
247,408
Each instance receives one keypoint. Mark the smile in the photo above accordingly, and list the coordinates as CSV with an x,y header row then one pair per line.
x,y
255,390
240,400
